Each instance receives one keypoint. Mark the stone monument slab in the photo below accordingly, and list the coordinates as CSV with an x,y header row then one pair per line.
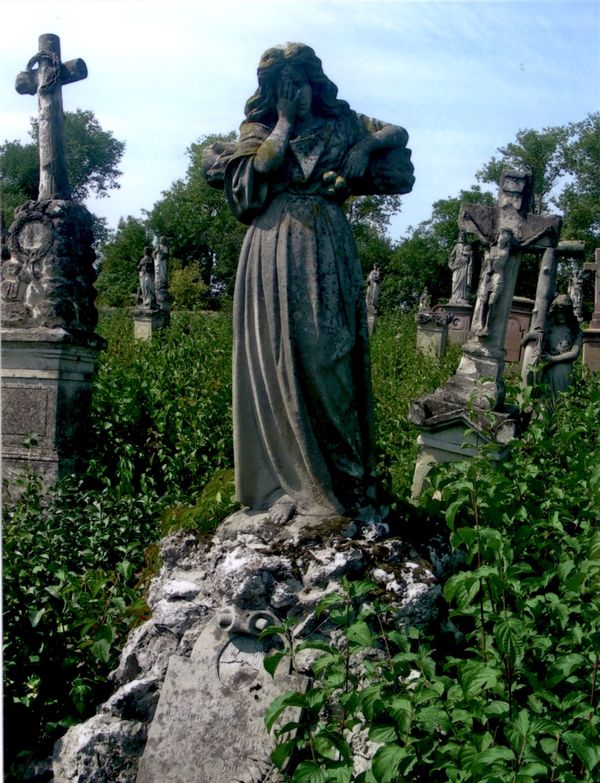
x,y
209,724
432,334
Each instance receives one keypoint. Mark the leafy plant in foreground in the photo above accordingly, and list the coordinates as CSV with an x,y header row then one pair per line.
x,y
516,700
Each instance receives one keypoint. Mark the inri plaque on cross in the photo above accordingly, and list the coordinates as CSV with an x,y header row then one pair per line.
x,y
45,75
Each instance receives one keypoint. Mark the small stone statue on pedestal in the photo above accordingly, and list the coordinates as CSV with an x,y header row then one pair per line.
x,y
146,275
373,287
424,305
161,272
153,310
372,297
461,265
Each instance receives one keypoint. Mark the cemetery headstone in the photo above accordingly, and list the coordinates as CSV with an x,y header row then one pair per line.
x,y
49,347
519,319
432,333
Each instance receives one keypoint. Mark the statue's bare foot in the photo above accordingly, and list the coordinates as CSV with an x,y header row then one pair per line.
x,y
282,510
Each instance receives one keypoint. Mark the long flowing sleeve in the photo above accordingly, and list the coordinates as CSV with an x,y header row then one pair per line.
x,y
247,191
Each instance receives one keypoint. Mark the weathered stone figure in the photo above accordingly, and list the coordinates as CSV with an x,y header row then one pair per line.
x,y
493,275
575,291
146,276
424,305
461,265
373,287
161,272
302,396
562,344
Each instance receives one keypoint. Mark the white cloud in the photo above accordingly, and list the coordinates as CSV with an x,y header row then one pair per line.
x,y
462,77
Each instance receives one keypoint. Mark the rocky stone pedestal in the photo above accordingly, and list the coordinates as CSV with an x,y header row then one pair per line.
x,y
191,679
147,322
591,349
46,390
459,323
448,433
432,334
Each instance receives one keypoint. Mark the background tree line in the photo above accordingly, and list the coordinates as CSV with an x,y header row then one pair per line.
x,y
204,238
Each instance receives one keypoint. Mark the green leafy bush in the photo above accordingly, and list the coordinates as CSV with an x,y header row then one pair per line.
x,y
74,561
70,596
188,290
162,410
514,698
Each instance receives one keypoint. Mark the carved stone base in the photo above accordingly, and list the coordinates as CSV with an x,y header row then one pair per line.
x,y
48,278
46,392
591,349
460,320
147,322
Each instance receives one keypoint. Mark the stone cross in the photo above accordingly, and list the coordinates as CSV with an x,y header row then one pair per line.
x,y
594,266
45,76
507,229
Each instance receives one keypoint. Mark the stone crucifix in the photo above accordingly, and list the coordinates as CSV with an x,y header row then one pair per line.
x,y
45,75
506,230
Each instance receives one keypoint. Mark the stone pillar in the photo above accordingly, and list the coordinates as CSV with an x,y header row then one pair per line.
x,y
591,336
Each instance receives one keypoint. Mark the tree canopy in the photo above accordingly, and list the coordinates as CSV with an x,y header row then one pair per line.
x,y
118,278
197,222
92,154
564,161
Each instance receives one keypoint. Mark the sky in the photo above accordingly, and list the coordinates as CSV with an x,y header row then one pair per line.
x,y
462,76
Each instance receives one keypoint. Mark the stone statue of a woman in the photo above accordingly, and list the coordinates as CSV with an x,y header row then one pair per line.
x,y
562,343
302,396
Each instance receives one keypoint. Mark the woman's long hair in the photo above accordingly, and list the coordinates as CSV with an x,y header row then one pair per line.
x,y
262,106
